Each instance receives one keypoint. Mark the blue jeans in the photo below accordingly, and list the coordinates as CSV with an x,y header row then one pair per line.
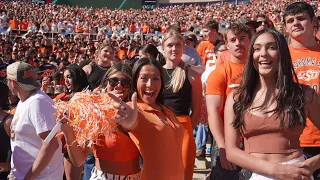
x,y
88,166
201,132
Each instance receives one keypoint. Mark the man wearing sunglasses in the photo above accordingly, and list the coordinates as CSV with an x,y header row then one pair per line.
x,y
263,22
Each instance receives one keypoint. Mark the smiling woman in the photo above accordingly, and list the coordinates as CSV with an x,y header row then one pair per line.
x,y
269,110
153,127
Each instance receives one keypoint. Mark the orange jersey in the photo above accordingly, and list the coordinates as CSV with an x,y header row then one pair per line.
x,y
225,78
23,25
223,57
132,28
206,51
121,52
306,63
14,24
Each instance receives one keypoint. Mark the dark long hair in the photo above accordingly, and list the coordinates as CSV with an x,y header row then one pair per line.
x,y
4,91
79,78
136,71
290,97
153,51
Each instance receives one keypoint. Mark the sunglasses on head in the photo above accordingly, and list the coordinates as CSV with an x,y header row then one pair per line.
x,y
260,22
125,82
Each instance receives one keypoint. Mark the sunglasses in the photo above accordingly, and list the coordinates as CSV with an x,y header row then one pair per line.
x,y
125,82
260,22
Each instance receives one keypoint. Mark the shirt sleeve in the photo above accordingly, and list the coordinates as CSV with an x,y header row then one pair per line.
x,y
42,115
198,59
217,83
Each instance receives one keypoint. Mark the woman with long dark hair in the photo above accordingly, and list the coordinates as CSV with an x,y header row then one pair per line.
x,y
269,110
116,157
75,81
152,127
5,121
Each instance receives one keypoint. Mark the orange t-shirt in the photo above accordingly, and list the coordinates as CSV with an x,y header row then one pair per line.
x,y
24,25
158,137
163,30
206,51
223,57
132,28
122,52
306,63
225,78
145,29
14,24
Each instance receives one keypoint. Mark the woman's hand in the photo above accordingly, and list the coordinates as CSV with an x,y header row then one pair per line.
x,y
125,115
65,128
293,172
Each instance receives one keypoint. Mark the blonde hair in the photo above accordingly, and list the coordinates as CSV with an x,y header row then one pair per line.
x,y
99,49
179,74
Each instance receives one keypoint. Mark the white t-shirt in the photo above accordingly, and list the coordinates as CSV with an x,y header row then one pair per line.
x,y
34,116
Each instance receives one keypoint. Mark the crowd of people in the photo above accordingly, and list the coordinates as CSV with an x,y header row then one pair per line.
x,y
247,75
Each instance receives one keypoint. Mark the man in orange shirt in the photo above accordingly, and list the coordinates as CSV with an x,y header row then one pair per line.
x,y
299,22
132,27
145,28
14,23
206,48
23,24
219,84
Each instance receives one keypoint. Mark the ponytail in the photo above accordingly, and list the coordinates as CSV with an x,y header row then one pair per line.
x,y
178,77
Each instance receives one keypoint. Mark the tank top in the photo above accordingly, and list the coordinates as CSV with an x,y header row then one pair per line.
x,y
265,135
96,76
179,102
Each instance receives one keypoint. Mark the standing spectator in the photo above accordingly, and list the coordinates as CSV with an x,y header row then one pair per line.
x,y
97,68
206,48
32,122
5,121
183,92
219,84
269,110
305,53
263,22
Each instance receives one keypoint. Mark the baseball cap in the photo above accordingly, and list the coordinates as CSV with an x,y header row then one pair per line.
x,y
22,73
248,22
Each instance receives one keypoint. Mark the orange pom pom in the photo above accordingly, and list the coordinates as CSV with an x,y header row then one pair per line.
x,y
91,115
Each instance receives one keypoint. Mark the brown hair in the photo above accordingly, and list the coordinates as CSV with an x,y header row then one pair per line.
x,y
238,28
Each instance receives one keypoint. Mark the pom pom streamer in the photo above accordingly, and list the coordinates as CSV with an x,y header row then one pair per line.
x,y
91,116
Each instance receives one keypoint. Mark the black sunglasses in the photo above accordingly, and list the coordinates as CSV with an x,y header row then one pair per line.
x,y
260,22
125,82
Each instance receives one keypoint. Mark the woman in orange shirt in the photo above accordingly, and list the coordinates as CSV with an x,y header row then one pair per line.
x,y
118,157
152,126
75,81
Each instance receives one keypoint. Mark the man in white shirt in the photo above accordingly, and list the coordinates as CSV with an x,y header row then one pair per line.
x,y
33,121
